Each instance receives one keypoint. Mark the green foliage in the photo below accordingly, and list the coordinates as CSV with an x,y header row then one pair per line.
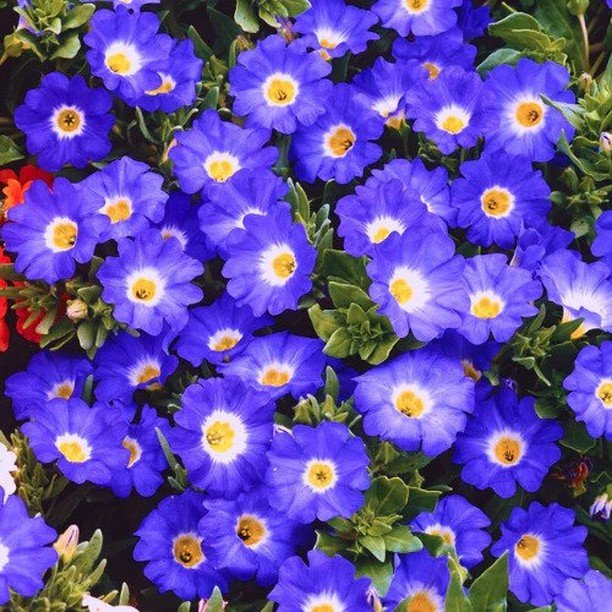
x,y
248,11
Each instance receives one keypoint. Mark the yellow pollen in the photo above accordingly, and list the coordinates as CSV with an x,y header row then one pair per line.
x,y
135,452
445,534
421,602
401,291
275,378
144,289
604,393
470,371
320,475
68,120
527,547
65,235
149,372
119,63
188,551
380,235
529,114
328,44
433,70
410,404
64,390
281,92
250,530
220,170
416,6
395,122
284,265
508,450
119,211
341,141
453,124
166,87
486,308
495,202
73,451
220,436
225,343
322,608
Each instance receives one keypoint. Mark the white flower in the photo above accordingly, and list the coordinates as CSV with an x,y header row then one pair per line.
x,y
97,605
7,466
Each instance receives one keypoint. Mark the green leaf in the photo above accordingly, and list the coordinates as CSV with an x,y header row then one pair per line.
x,y
79,15
387,495
375,544
577,438
456,600
225,27
341,265
382,350
325,322
422,500
379,573
9,152
329,544
344,294
202,50
295,7
86,334
401,539
69,48
245,16
215,601
498,57
488,592
339,344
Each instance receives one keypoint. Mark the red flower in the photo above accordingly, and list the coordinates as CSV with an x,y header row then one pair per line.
x,y
17,185
4,330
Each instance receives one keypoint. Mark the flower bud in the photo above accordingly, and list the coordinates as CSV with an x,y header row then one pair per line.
x,y
605,142
601,507
76,310
66,544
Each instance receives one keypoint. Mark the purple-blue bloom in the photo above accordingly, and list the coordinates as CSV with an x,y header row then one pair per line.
x,y
602,245
419,17
592,592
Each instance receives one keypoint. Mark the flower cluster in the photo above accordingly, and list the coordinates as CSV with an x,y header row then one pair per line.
x,y
321,294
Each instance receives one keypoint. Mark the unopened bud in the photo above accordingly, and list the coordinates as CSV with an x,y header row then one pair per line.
x,y
585,80
601,507
76,310
374,600
578,7
605,142
204,606
66,544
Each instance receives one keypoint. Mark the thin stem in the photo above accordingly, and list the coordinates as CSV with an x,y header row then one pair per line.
x,y
585,40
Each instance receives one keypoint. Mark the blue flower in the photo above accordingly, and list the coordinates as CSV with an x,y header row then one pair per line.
x,y
528,126
505,442
177,80
420,578
222,434
602,245
326,583
338,145
430,185
279,86
126,363
500,298
269,263
416,281
52,230
248,193
247,538
49,375
143,469
333,28
181,222
383,87
149,282
418,401
592,592
126,51
545,548
317,472
279,364
472,20
376,211
584,290
212,151
132,196
133,5
24,552
590,389
171,545
436,53
85,442
533,245
66,122
500,196
460,524
421,17
453,110
218,332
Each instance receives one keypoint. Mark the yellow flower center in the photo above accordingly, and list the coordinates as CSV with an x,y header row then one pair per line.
x,y
416,6
446,534
134,448
68,120
74,448
220,170
410,404
119,63
453,124
470,370
421,602
64,390
321,475
284,265
527,547
508,450
280,92
496,202
529,114
341,141
604,393
220,435
275,378
432,69
64,236
381,234
167,85
147,373
486,308
322,608
225,343
250,530
187,551
144,289
401,291
119,210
